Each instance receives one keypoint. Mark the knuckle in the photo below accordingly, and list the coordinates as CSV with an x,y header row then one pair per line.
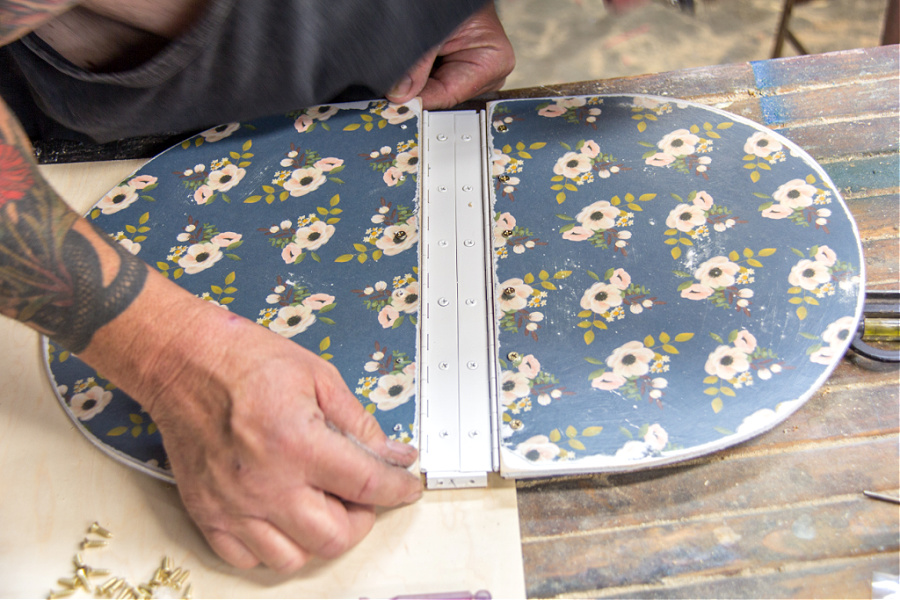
x,y
290,564
337,542
368,489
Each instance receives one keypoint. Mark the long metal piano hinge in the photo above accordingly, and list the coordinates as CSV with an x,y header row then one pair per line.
x,y
457,426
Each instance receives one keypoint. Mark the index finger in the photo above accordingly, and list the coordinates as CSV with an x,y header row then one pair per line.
x,y
355,473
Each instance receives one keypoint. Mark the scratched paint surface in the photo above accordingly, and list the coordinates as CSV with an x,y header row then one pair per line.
x,y
670,280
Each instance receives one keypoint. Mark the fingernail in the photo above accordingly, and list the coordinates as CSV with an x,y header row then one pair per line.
x,y
399,448
413,497
401,88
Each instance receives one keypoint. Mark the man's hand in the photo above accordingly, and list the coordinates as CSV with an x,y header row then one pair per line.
x,y
275,459
475,59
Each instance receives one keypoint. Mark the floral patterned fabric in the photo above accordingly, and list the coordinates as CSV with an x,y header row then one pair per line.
x,y
670,279
305,223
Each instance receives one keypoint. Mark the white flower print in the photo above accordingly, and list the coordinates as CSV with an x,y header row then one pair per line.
x,y
222,180
292,320
660,159
703,201
304,180
745,341
530,367
633,450
609,380
313,236
397,113
656,437
392,176
398,238
392,391
120,197
203,194
552,110
796,193
834,339
680,142
824,355
809,274
697,292
200,257
226,238
387,316
601,297
825,255
499,162
717,272
621,279
406,299
686,217
328,163
538,448
219,132
86,405
513,385
777,211
322,112
408,162
572,164
130,245
142,181
726,362
630,360
762,144
837,333
514,294
599,215
505,223
317,301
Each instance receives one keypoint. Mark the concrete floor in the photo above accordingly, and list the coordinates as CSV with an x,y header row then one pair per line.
x,y
559,41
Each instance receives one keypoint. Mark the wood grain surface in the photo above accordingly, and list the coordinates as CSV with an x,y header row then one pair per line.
x,y
782,515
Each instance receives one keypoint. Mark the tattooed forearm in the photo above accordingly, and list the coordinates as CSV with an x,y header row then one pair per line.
x,y
57,273
18,17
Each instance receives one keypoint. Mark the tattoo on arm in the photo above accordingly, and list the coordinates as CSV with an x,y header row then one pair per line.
x,y
51,273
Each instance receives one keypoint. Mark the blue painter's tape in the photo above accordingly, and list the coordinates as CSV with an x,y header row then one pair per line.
x,y
772,107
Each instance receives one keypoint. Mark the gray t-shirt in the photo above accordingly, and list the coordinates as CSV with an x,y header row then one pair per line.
x,y
242,59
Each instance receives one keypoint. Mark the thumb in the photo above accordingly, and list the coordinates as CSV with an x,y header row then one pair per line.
x,y
409,86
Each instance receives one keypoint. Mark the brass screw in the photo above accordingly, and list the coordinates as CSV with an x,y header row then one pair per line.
x,y
503,178
507,233
89,543
181,579
70,583
99,530
81,575
92,572
502,128
107,585
513,356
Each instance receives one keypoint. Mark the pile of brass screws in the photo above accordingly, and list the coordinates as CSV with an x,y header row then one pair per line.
x,y
167,581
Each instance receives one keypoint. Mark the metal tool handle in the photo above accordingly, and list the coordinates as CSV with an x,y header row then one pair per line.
x,y
881,314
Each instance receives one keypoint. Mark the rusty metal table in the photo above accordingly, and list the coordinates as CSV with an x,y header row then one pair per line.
x,y
782,515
